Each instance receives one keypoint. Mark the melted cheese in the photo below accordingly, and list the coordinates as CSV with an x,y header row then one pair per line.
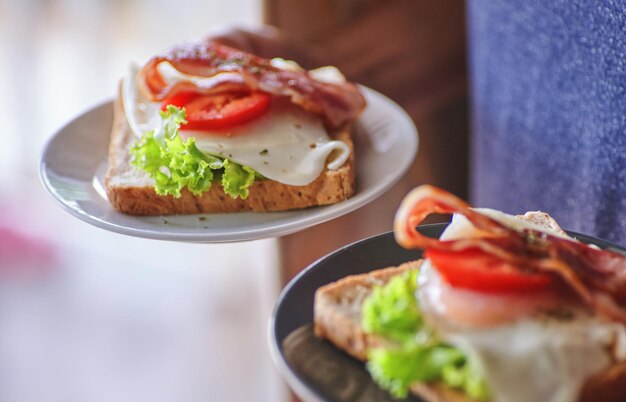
x,y
541,359
535,358
287,144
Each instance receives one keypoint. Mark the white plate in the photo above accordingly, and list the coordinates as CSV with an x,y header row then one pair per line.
x,y
74,162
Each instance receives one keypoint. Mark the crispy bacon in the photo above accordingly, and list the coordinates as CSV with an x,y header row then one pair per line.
x,y
337,103
597,276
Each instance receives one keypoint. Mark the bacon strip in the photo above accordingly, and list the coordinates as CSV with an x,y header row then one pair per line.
x,y
597,276
337,103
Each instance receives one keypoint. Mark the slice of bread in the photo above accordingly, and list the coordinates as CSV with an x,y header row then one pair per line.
x,y
337,313
131,190
338,316
544,220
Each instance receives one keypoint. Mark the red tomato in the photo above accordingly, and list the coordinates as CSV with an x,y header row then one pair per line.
x,y
178,99
217,111
473,269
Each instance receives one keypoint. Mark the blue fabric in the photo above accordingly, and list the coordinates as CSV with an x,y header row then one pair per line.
x,y
548,87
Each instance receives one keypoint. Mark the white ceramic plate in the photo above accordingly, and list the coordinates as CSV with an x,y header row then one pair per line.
x,y
74,162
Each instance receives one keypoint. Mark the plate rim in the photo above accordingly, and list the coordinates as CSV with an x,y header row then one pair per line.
x,y
294,379
291,377
237,233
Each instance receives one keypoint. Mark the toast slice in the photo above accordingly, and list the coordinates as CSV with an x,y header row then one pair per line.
x,y
337,312
131,190
338,316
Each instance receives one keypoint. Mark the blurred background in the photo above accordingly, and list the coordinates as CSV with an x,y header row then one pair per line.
x,y
88,315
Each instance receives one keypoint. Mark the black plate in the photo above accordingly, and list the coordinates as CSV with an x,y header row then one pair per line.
x,y
313,368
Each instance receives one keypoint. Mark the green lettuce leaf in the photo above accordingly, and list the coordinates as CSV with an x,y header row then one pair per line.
x,y
391,310
175,164
415,353
236,179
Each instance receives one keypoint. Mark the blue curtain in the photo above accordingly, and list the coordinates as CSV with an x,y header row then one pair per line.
x,y
548,88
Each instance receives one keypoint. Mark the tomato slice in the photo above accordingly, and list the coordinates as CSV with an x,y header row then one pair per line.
x,y
178,99
475,270
219,111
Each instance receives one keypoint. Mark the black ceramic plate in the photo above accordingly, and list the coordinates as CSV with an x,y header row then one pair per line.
x,y
313,368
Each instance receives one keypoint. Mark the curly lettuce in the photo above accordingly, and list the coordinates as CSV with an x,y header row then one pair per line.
x,y
175,164
415,354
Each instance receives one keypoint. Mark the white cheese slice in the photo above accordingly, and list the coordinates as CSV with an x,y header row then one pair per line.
x,y
541,359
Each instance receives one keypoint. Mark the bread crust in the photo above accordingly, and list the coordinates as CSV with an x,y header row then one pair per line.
x,y
337,309
337,317
131,190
